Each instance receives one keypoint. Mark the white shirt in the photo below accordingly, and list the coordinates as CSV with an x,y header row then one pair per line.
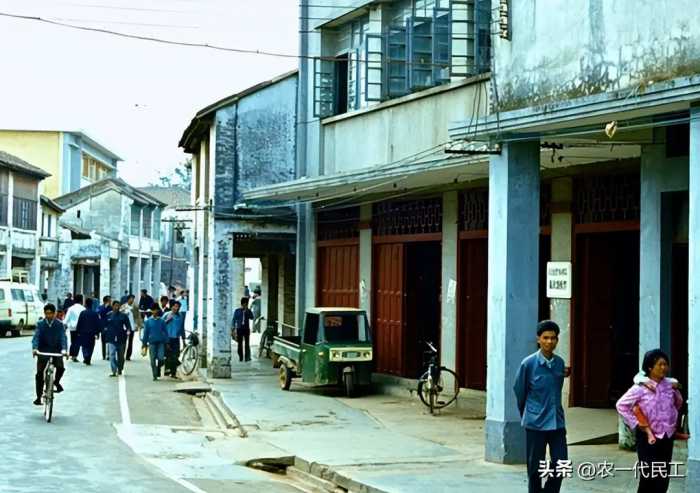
x,y
71,320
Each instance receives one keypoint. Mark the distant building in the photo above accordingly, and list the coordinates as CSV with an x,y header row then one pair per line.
x,y
175,234
71,158
115,238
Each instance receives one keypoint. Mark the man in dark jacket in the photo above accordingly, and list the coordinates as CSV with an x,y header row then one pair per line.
x,y
116,333
68,302
88,328
49,337
145,302
102,312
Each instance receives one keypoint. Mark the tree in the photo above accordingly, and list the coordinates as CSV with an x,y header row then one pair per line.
x,y
181,176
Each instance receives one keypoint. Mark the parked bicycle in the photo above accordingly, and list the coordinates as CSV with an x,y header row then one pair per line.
x,y
439,386
266,339
49,377
189,358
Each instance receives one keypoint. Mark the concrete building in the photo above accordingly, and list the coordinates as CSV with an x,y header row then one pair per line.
x,y
577,145
20,231
175,234
53,277
71,158
245,141
114,238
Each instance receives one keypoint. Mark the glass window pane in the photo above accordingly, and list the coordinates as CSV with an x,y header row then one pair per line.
x,y
18,295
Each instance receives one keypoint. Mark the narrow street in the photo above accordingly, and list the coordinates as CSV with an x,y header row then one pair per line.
x,y
128,434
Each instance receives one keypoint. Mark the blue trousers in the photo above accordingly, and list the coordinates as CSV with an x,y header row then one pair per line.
x,y
156,352
116,356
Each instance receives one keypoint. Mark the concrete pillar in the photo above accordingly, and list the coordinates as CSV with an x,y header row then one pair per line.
x,y
306,262
281,291
693,479
80,279
561,241
156,273
105,272
366,259
115,288
123,269
52,293
265,286
137,276
514,191
219,304
450,244
34,268
10,213
148,277
270,295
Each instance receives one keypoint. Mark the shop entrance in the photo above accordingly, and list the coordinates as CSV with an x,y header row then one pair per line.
x,y
605,345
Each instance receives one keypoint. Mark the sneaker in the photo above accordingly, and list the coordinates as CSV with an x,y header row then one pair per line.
x,y
37,402
59,388
120,372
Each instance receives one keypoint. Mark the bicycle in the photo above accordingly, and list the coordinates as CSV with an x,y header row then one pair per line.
x,y
189,358
266,340
432,383
49,373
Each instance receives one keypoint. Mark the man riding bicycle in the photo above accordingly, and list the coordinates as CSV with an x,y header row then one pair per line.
x,y
49,337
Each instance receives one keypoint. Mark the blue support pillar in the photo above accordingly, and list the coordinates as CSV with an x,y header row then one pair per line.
x,y
514,223
693,479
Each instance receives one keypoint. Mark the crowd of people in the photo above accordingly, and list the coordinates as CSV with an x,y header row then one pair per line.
x,y
114,322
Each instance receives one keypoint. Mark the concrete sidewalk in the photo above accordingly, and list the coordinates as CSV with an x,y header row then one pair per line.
x,y
380,443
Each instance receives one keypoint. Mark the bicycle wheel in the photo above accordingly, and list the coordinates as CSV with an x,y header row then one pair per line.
x,y
189,359
48,396
449,392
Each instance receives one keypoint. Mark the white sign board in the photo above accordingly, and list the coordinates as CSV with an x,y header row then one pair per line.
x,y
451,291
559,280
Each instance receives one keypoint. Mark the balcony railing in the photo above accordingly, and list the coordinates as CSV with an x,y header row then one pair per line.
x,y
49,248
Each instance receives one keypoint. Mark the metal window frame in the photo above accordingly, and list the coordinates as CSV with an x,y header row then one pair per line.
x,y
322,86
374,63
413,65
438,13
396,33
468,62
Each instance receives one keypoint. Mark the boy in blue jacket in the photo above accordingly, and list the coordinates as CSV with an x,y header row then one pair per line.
x,y
155,335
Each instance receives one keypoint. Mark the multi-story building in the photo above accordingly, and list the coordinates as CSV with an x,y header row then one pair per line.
x,y
115,238
20,231
72,158
54,278
245,141
175,234
575,146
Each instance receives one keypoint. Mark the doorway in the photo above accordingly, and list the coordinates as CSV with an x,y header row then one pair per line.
x,y
606,316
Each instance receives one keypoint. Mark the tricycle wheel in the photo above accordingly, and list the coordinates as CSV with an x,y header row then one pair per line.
x,y
275,360
285,377
349,381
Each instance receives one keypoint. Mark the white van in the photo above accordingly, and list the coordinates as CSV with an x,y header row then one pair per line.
x,y
20,306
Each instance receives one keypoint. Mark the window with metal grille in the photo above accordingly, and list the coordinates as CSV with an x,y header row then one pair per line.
x,y
423,43
147,222
338,224
407,217
135,220
24,202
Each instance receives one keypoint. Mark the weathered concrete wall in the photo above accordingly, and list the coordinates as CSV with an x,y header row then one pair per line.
x,y
382,136
102,213
255,142
267,136
563,49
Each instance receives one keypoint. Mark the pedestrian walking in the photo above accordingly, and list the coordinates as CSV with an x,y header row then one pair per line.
x,y
68,302
657,402
102,312
88,328
117,330
240,329
124,297
49,337
71,322
538,386
155,336
184,303
145,302
164,305
256,308
175,323
134,314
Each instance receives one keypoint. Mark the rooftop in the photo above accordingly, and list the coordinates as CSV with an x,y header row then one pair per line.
x,y
14,163
104,185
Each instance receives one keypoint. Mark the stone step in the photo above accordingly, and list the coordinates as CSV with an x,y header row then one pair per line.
x,y
312,484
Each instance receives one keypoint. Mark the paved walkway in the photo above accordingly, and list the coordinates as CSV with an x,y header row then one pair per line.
x,y
381,443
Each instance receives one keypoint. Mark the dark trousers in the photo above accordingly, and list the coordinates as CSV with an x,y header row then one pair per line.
x,y
660,452
130,345
116,356
156,351
87,343
243,340
172,353
105,354
41,363
536,443
74,348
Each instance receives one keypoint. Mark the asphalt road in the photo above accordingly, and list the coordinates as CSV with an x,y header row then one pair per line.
x,y
80,449
126,434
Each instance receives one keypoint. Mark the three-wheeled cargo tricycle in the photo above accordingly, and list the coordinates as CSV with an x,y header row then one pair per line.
x,y
334,347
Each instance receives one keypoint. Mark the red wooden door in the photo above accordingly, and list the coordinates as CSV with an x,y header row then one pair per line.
x,y
389,308
338,275
471,338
